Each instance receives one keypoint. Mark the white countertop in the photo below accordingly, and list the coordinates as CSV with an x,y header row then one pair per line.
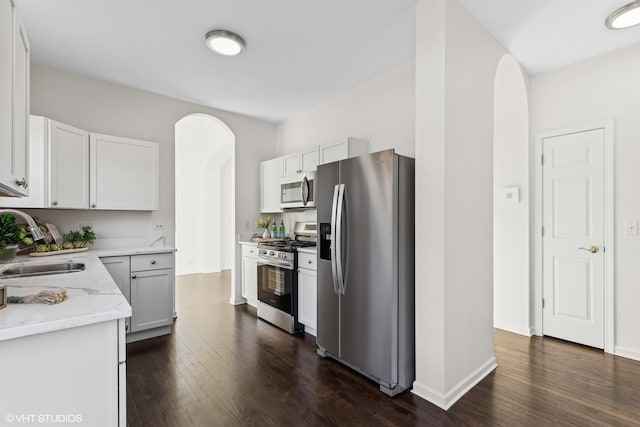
x,y
93,296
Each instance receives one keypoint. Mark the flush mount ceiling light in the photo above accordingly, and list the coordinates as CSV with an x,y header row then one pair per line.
x,y
225,42
625,17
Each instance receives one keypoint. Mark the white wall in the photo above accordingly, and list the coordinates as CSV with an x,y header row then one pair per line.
x,y
600,89
381,111
456,61
204,152
511,278
113,109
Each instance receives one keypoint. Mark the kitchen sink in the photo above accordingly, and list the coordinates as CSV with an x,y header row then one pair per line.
x,y
40,269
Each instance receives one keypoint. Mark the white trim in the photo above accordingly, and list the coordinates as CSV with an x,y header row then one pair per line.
x,y
627,352
514,328
237,301
608,244
446,401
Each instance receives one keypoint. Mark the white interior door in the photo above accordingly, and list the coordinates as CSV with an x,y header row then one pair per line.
x,y
572,244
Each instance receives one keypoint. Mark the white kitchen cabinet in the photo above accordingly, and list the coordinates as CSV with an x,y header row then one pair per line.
x,y
75,372
307,292
124,173
37,198
148,283
152,291
14,101
305,161
344,149
270,173
250,273
120,271
67,166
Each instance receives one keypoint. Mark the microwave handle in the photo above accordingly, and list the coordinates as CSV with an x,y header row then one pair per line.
x,y
304,185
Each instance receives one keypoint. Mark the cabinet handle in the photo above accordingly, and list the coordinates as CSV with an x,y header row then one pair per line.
x,y
22,183
153,262
133,276
309,261
93,205
54,203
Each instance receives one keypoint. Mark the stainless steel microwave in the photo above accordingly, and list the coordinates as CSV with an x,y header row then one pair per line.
x,y
298,191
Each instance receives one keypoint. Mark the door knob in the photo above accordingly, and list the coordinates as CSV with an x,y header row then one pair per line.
x,y
593,249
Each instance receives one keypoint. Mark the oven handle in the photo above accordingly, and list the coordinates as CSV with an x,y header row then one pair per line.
x,y
335,239
273,263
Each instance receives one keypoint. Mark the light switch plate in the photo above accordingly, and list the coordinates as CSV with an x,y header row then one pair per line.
x,y
631,228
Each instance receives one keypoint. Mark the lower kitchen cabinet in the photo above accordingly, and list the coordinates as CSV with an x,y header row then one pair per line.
x,y
250,273
151,299
74,376
148,283
119,269
307,292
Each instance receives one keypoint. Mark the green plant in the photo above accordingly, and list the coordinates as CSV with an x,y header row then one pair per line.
x,y
88,236
9,231
261,223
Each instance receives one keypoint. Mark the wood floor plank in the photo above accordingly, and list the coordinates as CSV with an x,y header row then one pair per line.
x,y
222,366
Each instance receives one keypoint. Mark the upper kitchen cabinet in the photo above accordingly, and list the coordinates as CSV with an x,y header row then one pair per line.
x,y
305,161
124,173
14,101
344,149
270,173
68,166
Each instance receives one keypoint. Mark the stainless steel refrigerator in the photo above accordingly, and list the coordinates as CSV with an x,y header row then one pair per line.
x,y
365,210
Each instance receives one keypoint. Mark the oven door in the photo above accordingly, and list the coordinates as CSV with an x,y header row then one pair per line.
x,y
275,286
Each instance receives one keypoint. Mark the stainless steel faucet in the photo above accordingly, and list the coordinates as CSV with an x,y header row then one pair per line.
x,y
35,230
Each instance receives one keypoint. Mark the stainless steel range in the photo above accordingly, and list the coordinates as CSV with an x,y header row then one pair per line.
x,y
278,278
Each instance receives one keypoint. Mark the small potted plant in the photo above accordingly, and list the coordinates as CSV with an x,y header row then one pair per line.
x,y
261,223
9,238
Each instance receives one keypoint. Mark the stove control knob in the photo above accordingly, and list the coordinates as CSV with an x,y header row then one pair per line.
x,y
272,253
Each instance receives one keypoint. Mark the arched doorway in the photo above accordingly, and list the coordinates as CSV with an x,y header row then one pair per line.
x,y
511,203
205,195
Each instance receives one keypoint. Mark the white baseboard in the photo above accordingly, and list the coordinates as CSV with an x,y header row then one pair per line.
x,y
627,352
515,328
237,301
446,400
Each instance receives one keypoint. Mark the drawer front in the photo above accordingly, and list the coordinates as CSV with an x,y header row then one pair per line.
x,y
250,250
151,262
307,261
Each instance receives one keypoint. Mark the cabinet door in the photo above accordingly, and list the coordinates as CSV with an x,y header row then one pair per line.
x,y
38,131
21,66
250,280
310,159
124,173
151,299
68,163
14,101
118,268
333,152
270,173
291,164
307,300
7,176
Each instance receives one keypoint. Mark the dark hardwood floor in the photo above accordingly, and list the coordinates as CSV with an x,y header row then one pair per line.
x,y
224,367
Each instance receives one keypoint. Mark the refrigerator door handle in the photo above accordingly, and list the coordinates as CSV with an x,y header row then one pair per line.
x,y
304,185
338,239
344,230
334,239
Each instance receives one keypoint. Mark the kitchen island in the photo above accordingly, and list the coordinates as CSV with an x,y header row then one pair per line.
x,y
64,363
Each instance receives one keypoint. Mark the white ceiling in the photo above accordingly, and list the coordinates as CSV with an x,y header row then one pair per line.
x,y
546,34
299,53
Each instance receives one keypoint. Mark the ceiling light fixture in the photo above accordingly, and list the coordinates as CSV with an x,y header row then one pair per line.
x,y
625,17
225,42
